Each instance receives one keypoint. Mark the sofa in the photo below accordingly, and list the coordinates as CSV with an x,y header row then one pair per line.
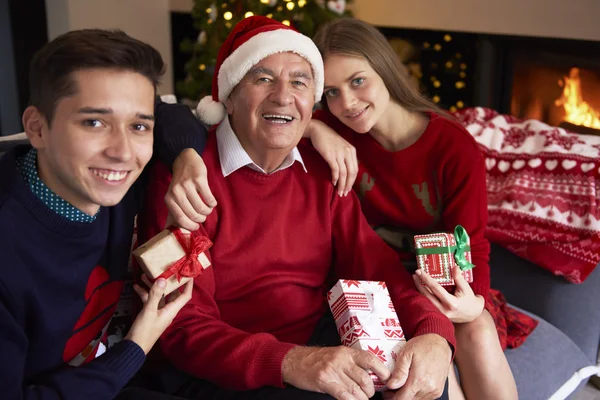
x,y
561,354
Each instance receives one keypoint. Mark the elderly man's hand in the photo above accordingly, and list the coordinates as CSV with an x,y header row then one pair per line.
x,y
421,369
189,198
339,371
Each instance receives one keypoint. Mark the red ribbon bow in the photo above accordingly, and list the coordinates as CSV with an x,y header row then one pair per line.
x,y
187,266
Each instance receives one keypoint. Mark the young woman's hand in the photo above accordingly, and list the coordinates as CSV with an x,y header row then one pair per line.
x,y
462,306
339,154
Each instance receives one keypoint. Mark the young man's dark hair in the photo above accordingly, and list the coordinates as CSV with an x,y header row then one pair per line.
x,y
51,67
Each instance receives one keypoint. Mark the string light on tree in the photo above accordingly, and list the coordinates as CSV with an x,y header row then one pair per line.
x,y
215,18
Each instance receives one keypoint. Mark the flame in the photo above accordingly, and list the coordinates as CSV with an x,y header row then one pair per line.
x,y
577,111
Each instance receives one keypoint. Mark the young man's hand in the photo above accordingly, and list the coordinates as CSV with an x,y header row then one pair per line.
x,y
189,198
158,312
339,371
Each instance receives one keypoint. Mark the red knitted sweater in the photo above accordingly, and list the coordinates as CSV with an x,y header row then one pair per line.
x,y
280,241
431,186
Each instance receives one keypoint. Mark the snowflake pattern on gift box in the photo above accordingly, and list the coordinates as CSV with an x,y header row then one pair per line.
x,y
378,352
351,283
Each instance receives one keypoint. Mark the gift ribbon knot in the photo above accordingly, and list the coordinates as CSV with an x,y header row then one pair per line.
x,y
459,250
187,266
462,246
371,321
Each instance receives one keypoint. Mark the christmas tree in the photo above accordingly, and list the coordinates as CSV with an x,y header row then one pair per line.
x,y
214,19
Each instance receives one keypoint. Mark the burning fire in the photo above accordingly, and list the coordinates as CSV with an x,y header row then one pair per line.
x,y
577,111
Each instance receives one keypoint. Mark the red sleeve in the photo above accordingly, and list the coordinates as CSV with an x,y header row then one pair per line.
x,y
331,121
465,203
197,341
361,254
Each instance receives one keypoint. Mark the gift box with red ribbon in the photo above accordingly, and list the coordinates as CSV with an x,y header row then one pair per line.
x,y
438,253
175,256
366,319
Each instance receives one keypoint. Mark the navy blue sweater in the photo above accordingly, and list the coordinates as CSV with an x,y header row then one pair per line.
x,y
60,282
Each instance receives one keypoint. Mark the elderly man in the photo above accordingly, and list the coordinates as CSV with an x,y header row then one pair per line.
x,y
281,234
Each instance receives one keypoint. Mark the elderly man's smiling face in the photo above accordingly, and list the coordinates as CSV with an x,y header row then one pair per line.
x,y
271,107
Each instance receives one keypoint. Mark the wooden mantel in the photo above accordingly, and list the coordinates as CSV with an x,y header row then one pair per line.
x,y
569,19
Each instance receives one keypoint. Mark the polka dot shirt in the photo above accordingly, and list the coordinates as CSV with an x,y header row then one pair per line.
x,y
27,166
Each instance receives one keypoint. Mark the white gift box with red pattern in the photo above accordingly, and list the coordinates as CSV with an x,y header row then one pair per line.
x,y
366,319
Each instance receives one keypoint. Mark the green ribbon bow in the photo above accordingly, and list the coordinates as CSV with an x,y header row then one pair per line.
x,y
462,246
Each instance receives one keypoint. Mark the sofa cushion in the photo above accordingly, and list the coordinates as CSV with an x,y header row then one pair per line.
x,y
545,362
573,308
8,142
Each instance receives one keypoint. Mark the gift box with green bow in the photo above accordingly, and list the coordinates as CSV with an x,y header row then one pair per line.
x,y
438,253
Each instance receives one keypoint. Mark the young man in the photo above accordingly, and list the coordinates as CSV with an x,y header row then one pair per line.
x,y
280,233
67,207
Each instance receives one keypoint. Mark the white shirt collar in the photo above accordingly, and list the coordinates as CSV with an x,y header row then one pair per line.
x,y
233,156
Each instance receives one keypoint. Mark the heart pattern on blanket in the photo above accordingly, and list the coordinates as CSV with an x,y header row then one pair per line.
x,y
503,166
518,164
568,164
554,191
551,164
490,163
585,167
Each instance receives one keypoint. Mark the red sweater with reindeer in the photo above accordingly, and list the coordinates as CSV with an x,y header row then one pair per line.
x,y
431,186
280,240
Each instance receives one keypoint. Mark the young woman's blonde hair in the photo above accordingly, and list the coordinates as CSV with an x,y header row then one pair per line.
x,y
355,38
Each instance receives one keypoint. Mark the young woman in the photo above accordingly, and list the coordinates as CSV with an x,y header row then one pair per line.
x,y
419,172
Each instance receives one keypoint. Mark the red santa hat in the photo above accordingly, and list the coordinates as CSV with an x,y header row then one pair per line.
x,y
252,40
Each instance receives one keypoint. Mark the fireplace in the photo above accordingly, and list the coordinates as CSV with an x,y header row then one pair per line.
x,y
556,81
556,86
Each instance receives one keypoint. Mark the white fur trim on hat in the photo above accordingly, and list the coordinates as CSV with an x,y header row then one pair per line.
x,y
262,45
209,111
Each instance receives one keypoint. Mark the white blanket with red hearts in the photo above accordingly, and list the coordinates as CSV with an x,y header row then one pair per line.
x,y
543,186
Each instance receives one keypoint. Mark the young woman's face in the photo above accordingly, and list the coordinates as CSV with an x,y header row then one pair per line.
x,y
354,92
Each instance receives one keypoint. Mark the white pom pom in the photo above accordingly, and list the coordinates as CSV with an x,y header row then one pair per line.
x,y
209,111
